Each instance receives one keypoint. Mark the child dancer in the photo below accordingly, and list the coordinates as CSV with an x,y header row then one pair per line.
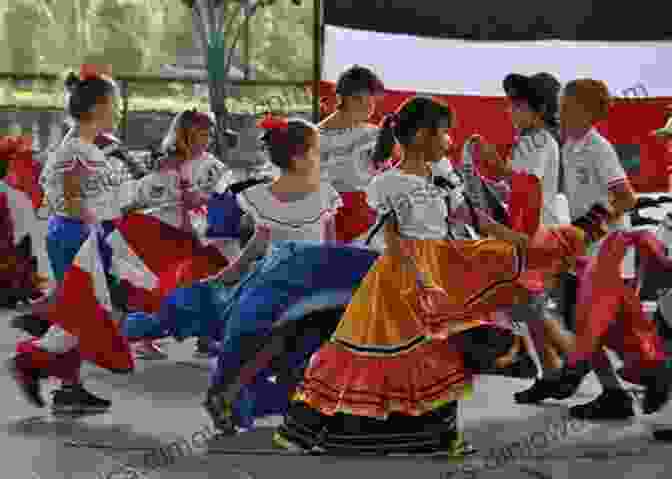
x,y
594,176
19,278
83,193
347,144
297,206
188,176
390,378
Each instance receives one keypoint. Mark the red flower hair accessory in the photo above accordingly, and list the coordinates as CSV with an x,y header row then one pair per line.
x,y
10,146
274,123
92,72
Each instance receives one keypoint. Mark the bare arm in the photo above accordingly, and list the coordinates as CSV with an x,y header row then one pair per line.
x,y
622,198
254,249
72,194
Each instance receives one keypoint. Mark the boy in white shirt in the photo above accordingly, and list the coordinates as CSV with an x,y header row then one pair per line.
x,y
595,179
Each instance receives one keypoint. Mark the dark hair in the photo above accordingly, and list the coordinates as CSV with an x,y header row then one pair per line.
x,y
358,79
285,142
402,126
552,87
194,119
85,94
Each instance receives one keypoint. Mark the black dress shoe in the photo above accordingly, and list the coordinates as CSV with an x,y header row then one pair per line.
x,y
31,324
658,384
664,435
611,405
558,387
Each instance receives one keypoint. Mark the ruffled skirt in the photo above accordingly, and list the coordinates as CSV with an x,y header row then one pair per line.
x,y
389,361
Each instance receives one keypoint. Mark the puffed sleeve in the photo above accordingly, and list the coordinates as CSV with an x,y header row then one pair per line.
x,y
331,199
224,216
153,190
208,175
376,196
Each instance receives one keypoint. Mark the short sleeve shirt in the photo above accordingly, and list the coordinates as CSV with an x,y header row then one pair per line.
x,y
419,206
592,170
538,154
346,157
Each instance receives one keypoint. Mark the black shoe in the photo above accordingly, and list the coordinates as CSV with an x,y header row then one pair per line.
x,y
658,384
664,435
611,405
77,400
560,387
220,411
524,367
31,324
27,378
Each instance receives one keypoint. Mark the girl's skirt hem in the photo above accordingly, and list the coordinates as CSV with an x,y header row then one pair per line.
x,y
414,383
307,428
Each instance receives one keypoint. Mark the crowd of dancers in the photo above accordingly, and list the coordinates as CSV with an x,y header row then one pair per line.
x,y
358,292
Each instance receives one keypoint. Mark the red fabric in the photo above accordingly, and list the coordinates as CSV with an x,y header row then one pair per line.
x,y
373,386
525,217
609,312
629,123
65,367
23,172
526,203
77,310
6,224
174,256
354,218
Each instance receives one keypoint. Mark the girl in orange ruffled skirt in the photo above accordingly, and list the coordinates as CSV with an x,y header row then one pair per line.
x,y
391,377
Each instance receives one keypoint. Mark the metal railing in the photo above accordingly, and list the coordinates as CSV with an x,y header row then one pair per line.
x,y
126,83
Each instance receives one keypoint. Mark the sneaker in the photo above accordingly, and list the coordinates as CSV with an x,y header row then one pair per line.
x,y
31,324
561,387
220,411
658,385
614,405
150,351
663,435
77,400
26,378
202,349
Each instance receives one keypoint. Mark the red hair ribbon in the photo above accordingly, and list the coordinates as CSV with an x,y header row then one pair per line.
x,y
201,120
13,145
91,72
273,123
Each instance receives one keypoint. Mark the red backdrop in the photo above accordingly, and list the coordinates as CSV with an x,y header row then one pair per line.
x,y
630,123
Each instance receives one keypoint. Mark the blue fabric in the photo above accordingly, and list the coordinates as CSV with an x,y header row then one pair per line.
x,y
65,236
190,312
224,216
292,272
143,325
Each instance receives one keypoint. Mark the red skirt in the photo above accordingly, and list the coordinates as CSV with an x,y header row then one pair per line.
x,y
175,256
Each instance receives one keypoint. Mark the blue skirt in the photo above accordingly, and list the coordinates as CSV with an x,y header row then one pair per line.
x,y
294,280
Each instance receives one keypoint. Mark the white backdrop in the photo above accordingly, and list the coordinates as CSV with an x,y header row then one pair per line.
x,y
459,67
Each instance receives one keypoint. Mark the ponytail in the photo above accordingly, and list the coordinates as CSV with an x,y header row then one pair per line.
x,y
387,139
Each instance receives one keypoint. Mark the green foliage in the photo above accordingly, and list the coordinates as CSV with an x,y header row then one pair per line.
x,y
257,100
138,36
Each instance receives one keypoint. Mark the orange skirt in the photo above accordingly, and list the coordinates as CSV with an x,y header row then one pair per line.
x,y
386,356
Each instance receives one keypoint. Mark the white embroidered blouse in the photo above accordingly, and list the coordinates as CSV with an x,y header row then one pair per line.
x,y
419,206
180,187
99,182
346,157
303,218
